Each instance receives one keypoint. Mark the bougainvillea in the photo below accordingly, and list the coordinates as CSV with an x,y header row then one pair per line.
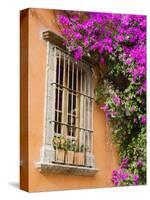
x,y
117,44
125,176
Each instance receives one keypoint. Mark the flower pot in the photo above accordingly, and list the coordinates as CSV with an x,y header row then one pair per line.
x,y
69,157
60,155
79,158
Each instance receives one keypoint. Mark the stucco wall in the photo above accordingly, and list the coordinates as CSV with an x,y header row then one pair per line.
x,y
106,158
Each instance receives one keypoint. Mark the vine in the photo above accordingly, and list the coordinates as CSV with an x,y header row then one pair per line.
x,y
117,42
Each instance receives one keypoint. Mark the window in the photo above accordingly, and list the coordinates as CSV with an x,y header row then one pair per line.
x,y
68,107
73,98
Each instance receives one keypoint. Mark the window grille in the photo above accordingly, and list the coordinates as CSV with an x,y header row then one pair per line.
x,y
69,103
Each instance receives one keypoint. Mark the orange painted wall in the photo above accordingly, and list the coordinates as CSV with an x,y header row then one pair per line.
x,y
106,156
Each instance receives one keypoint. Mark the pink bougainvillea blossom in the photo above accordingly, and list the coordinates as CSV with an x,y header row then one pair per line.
x,y
132,109
135,179
143,119
104,107
104,33
139,163
117,100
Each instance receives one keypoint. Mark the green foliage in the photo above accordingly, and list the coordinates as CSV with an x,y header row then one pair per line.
x,y
81,148
70,145
124,117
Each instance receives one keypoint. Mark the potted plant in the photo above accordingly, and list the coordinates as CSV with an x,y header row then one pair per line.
x,y
79,158
59,143
70,147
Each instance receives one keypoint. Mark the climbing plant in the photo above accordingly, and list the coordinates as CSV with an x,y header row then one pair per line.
x,y
117,43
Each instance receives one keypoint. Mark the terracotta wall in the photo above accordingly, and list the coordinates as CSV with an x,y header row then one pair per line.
x,y
106,158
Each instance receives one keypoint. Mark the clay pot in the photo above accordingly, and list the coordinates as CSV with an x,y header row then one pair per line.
x,y
69,157
60,155
79,158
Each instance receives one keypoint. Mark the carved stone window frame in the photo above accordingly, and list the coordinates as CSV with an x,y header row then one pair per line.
x,y
47,151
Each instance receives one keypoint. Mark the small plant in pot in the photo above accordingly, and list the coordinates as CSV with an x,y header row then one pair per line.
x,y
59,143
70,147
79,158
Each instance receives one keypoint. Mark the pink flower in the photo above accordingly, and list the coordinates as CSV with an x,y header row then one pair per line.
x,y
124,163
132,109
136,179
77,35
117,100
104,107
128,62
102,61
63,19
139,163
143,119
120,38
78,53
135,120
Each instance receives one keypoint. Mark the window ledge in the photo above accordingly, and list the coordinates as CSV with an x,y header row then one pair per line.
x,y
65,169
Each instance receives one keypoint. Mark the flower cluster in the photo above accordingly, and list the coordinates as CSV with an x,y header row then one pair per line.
x,y
124,163
124,176
119,177
117,100
59,142
107,34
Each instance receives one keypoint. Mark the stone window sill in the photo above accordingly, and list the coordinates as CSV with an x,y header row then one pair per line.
x,y
66,169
